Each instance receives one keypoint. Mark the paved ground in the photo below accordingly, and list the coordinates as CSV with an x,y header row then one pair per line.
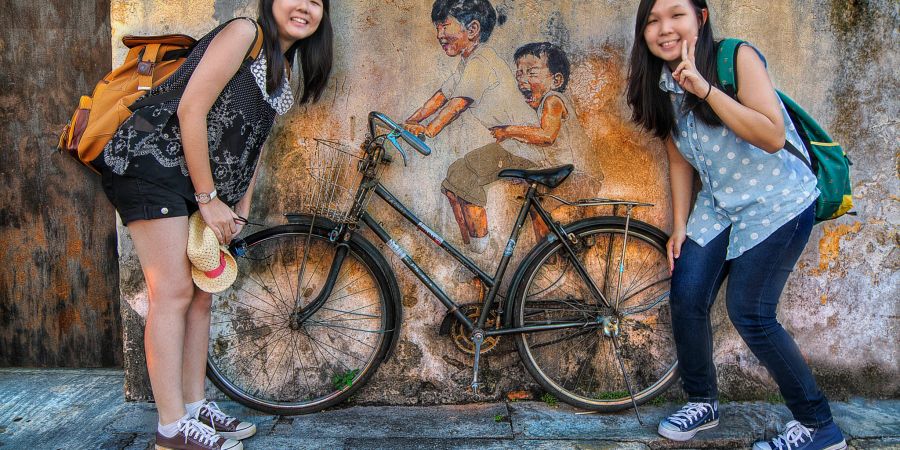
x,y
73,409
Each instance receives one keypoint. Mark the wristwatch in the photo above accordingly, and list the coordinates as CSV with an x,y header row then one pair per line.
x,y
204,198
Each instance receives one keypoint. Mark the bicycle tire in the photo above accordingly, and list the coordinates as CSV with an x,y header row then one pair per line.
x,y
570,364
331,355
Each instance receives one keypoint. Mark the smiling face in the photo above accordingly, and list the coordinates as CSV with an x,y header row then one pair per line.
x,y
297,19
535,79
455,38
670,22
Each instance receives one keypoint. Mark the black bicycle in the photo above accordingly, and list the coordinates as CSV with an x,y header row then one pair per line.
x,y
316,307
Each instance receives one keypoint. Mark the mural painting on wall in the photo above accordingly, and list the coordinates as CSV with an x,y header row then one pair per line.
x,y
532,120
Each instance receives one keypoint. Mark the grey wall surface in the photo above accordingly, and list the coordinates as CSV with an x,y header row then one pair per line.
x,y
834,56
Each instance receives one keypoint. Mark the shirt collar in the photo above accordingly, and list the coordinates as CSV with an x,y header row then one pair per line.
x,y
667,82
474,51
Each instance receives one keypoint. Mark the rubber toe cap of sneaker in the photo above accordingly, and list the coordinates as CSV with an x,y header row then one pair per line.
x,y
233,444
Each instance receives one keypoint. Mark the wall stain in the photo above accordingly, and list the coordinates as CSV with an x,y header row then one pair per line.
x,y
59,309
830,246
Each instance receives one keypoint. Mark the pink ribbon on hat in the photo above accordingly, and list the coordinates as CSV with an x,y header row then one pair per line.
x,y
218,270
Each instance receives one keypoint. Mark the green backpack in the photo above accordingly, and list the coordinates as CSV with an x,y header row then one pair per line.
x,y
829,162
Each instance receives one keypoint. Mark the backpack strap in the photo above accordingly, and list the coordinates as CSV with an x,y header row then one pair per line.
x,y
726,60
255,49
257,46
146,64
252,53
726,68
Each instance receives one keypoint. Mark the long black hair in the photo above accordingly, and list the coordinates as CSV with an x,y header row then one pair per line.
x,y
316,53
650,105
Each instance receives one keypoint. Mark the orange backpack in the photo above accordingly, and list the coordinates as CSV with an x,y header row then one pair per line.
x,y
150,61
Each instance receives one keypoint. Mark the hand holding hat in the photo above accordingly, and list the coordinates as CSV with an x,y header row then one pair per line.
x,y
212,266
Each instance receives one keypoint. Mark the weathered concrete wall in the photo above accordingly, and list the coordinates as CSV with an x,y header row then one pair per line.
x,y
834,56
58,284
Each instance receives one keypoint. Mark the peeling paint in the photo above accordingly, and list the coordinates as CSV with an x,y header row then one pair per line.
x,y
830,245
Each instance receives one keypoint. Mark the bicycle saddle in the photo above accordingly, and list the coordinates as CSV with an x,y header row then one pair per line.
x,y
550,177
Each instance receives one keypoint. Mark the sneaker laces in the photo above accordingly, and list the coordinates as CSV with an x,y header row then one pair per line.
x,y
217,415
194,429
689,413
793,434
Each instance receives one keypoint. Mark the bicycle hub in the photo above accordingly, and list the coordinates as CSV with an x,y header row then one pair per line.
x,y
610,326
296,320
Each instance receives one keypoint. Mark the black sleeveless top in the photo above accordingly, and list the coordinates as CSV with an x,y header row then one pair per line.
x,y
148,144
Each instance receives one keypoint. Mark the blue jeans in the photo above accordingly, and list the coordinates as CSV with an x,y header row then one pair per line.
x,y
755,281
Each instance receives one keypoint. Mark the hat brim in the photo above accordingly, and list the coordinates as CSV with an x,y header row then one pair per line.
x,y
219,283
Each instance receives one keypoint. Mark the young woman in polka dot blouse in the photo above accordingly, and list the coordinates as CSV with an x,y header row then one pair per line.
x,y
750,221
199,151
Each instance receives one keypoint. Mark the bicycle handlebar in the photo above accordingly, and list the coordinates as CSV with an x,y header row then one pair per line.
x,y
410,139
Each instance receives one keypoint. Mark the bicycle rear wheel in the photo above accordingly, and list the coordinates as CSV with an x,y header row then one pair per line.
x,y
580,365
264,359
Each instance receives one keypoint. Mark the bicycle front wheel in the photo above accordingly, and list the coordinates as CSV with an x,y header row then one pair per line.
x,y
627,343
263,357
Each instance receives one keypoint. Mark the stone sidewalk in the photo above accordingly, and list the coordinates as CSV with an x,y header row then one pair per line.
x,y
74,409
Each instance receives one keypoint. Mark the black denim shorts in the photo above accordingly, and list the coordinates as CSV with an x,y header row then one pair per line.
x,y
138,199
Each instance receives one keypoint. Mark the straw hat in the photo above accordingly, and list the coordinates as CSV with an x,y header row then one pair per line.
x,y
212,267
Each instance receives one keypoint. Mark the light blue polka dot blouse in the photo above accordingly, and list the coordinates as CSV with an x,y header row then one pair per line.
x,y
744,187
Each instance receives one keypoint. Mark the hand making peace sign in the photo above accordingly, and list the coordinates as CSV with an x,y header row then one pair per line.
x,y
686,73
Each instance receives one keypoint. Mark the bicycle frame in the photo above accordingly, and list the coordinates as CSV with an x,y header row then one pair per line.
x,y
492,282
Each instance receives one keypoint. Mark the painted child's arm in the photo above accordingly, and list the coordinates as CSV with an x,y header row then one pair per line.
x,y
433,104
546,134
448,114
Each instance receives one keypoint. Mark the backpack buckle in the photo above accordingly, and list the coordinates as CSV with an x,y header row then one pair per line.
x,y
145,67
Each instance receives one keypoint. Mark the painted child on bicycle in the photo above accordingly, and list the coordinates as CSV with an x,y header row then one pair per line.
x,y
482,85
542,73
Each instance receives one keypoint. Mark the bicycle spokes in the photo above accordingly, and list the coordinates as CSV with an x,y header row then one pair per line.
x,y
266,352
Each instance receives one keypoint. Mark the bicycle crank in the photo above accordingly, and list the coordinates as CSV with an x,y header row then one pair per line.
x,y
477,339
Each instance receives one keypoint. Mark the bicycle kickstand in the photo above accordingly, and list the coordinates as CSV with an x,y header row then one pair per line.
x,y
477,339
627,381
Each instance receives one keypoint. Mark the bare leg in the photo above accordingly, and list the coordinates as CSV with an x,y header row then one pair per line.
x,y
541,230
458,214
196,344
161,246
476,218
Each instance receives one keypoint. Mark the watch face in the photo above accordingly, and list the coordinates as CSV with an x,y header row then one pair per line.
x,y
202,198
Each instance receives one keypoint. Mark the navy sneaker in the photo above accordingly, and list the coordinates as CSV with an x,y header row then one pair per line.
x,y
798,437
690,419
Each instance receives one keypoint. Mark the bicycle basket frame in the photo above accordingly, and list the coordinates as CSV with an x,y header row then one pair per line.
x,y
336,171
